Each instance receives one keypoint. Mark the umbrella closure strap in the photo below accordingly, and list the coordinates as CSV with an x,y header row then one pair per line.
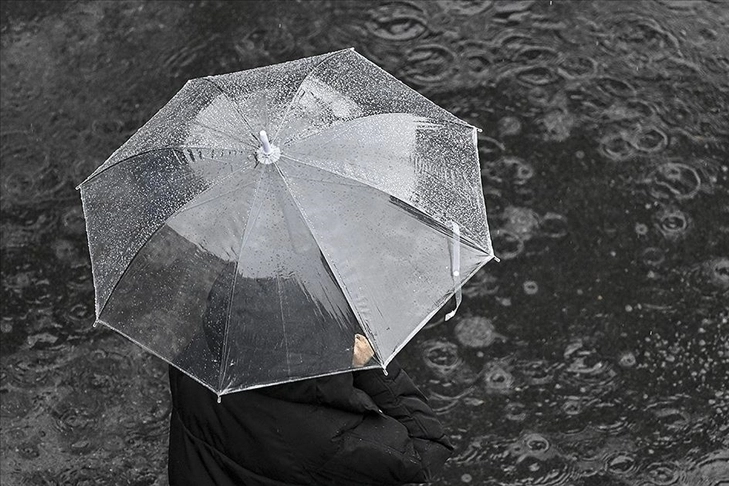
x,y
455,247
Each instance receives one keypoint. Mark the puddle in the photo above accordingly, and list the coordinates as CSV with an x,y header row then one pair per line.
x,y
596,352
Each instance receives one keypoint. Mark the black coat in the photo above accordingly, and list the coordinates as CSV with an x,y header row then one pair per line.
x,y
360,428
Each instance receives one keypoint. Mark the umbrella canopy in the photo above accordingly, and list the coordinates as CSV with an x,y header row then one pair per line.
x,y
262,218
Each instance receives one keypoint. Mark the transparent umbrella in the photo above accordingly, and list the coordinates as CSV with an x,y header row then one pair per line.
x,y
262,218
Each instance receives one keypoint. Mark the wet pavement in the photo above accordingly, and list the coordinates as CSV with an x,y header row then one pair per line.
x,y
595,353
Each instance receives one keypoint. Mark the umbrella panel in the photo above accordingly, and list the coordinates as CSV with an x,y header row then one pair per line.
x,y
124,206
210,294
392,261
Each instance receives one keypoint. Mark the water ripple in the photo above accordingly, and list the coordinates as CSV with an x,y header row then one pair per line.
x,y
476,332
397,21
441,356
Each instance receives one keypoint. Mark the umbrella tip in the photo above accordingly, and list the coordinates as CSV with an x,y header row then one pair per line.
x,y
265,144
267,153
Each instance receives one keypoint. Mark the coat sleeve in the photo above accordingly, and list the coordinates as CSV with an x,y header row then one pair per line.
x,y
405,443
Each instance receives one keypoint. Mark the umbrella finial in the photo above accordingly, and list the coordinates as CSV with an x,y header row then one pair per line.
x,y
265,143
267,153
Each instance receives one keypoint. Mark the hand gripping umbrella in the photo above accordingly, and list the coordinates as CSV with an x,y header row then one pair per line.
x,y
261,219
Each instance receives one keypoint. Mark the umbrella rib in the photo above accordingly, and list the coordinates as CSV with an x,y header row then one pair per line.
x,y
353,123
298,90
342,287
283,323
464,238
97,173
235,107
224,351
178,211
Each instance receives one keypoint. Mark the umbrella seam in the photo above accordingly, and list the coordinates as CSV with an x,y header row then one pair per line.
x,y
224,351
232,102
298,90
281,299
159,149
342,287
146,240
387,74
155,353
470,241
365,117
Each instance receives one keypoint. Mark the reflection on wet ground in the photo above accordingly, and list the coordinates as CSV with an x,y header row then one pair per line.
x,y
596,352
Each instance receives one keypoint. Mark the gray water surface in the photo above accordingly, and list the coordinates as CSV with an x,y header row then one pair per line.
x,y
595,353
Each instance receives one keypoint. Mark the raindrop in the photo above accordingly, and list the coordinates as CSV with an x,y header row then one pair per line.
x,y
620,463
616,146
73,221
627,359
78,411
507,244
397,21
674,180
652,256
489,149
572,406
476,332
441,357
675,112
429,64
65,251
514,6
476,56
533,54
497,379
672,223
650,139
14,405
717,272
662,474
509,126
465,7
521,221
576,66
537,372
536,444
25,374
515,411
530,287
553,225
538,96
536,75
28,450
482,284
615,87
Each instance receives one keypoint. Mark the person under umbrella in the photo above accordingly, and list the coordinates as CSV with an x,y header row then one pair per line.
x,y
356,428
